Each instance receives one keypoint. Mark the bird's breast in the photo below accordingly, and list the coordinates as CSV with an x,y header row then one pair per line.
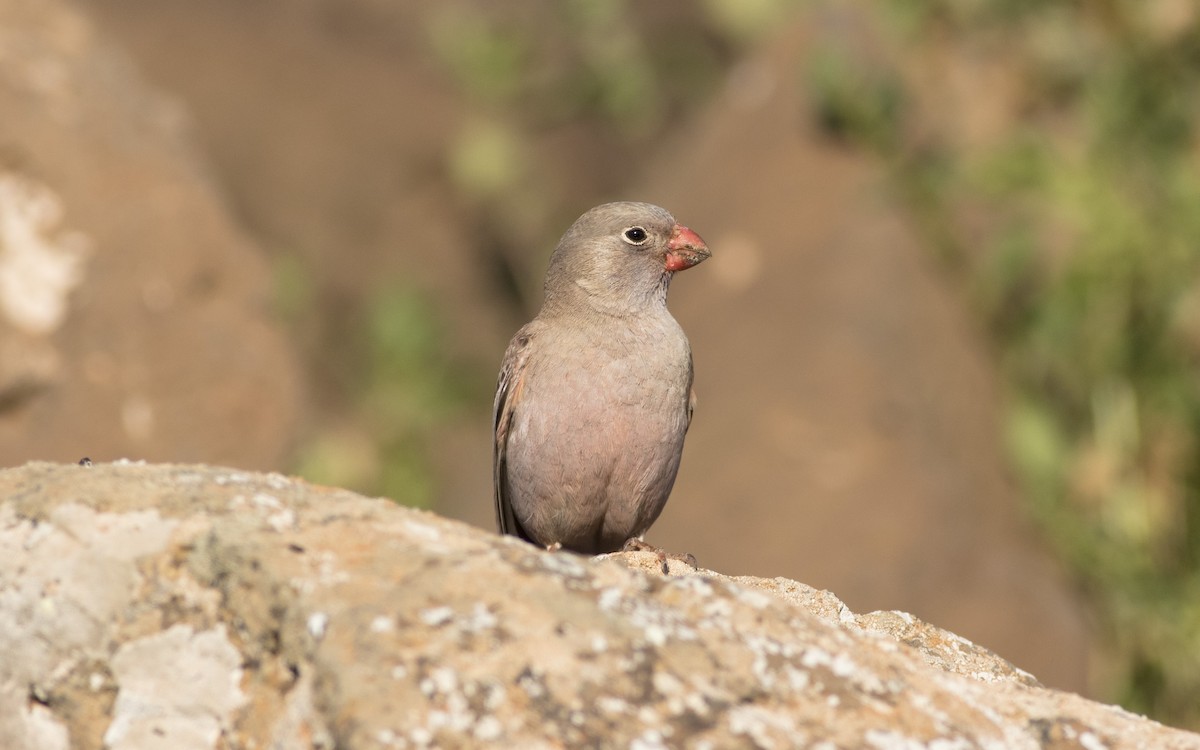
x,y
619,389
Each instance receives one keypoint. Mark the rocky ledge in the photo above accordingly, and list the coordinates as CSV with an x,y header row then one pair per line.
x,y
166,606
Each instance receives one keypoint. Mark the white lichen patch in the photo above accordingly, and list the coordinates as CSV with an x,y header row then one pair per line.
x,y
266,501
479,619
649,716
178,689
798,680
610,599
274,511
666,684
317,625
457,706
122,536
563,563
718,611
612,705
493,695
765,728
41,260
233,478
323,572
658,623
423,531
843,666
435,617
756,599
695,585
441,680
679,698
769,656
281,521
1090,741
382,624
814,657
63,582
923,703
533,683
27,724
388,738
656,635
891,740
278,481
488,729
650,739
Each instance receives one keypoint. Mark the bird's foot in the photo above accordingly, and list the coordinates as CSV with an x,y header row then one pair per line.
x,y
554,547
638,544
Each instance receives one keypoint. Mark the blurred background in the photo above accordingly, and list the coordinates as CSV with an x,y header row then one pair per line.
x,y
946,346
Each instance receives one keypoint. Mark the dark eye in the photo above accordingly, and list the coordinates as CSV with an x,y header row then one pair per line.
x,y
636,235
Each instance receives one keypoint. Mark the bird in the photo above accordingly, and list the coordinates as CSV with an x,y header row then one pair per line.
x,y
594,395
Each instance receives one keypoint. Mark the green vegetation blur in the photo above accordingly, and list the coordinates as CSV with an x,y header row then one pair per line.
x,y
1073,220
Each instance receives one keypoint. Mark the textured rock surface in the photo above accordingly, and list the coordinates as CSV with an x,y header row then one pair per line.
x,y
133,314
163,606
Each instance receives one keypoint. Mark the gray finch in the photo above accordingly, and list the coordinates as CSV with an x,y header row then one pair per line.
x,y
595,393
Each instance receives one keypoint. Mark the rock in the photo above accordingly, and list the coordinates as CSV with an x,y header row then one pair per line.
x,y
134,315
185,607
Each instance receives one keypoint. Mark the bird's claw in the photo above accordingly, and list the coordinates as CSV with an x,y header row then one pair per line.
x,y
637,544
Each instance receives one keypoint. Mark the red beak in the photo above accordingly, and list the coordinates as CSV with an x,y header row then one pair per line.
x,y
685,249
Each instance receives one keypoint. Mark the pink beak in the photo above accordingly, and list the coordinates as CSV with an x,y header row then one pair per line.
x,y
685,249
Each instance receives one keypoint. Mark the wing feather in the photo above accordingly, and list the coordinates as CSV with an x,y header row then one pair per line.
x,y
509,389
691,405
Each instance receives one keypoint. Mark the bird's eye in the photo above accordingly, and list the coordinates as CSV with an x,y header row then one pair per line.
x,y
635,235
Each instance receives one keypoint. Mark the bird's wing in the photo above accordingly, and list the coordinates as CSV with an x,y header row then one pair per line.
x,y
691,406
508,399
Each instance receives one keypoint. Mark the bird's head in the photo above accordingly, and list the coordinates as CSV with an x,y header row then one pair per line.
x,y
619,257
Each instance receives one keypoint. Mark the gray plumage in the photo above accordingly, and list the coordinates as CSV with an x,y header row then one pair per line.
x,y
595,393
